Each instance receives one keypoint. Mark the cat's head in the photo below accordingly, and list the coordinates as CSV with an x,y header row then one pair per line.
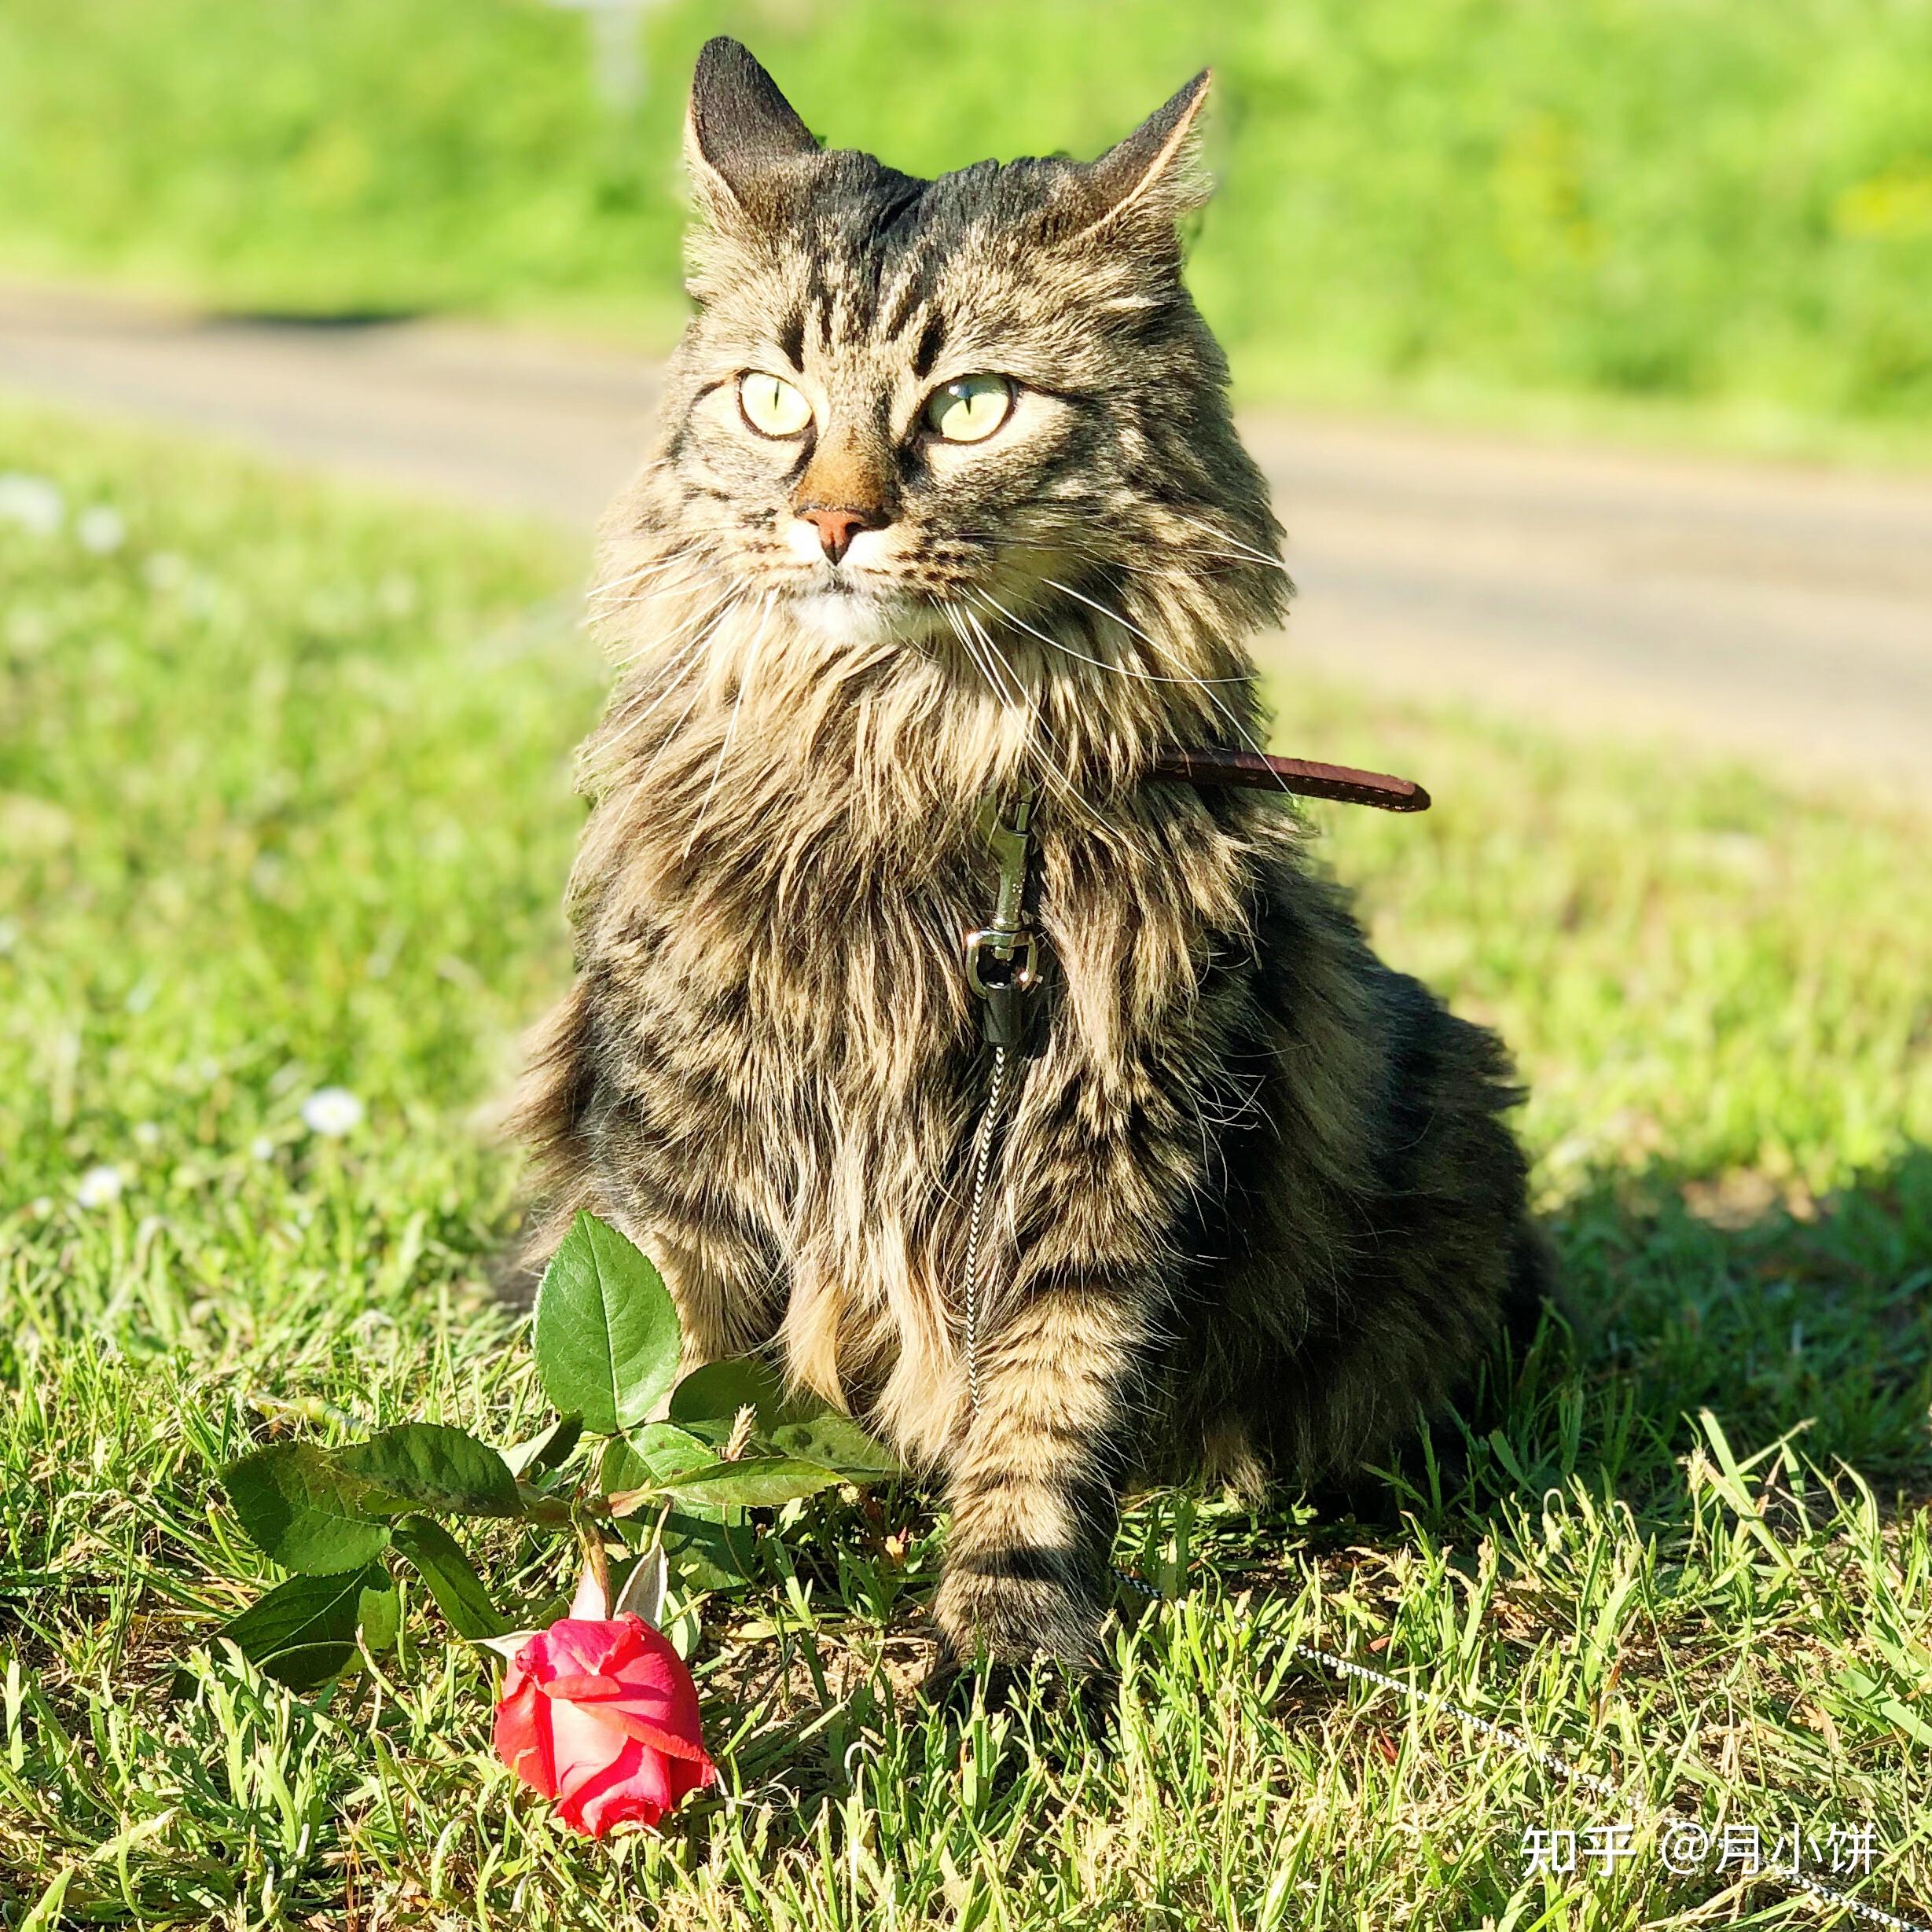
x,y
990,392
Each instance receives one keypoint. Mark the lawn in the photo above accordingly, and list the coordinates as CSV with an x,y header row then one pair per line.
x,y
285,805
1694,212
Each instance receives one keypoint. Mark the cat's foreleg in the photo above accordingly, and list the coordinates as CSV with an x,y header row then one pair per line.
x,y
1034,1481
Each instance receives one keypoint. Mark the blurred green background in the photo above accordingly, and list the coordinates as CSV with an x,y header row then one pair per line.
x,y
1718,207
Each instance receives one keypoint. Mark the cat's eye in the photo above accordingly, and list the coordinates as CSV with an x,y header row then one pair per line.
x,y
969,410
772,405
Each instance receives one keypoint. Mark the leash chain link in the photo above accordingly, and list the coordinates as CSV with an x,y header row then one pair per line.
x,y
982,1163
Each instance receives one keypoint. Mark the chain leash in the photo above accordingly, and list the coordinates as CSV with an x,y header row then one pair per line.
x,y
982,1161
1003,970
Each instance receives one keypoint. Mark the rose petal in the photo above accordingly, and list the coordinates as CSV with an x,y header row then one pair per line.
x,y
523,1734
653,1736
583,1743
658,1686
580,1647
595,1762
688,1774
617,1798
605,1712
643,1791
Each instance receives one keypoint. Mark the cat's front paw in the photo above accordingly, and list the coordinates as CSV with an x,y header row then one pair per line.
x,y
1017,1608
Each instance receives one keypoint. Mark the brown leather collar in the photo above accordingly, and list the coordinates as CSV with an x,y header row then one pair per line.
x,y
1211,765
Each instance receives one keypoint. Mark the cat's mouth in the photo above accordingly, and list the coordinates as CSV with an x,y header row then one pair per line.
x,y
844,608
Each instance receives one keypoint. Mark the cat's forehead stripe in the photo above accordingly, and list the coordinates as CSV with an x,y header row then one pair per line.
x,y
792,338
932,340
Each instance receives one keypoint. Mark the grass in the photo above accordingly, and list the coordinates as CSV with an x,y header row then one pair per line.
x,y
283,795
1710,217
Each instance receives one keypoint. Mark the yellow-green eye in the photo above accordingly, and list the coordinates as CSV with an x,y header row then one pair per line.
x,y
970,410
771,406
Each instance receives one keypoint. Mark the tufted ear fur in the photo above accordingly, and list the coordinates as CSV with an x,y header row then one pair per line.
x,y
1153,174
743,141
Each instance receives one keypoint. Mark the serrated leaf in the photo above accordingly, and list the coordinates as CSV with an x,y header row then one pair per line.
x,y
546,1449
754,1482
650,1456
711,1550
303,1633
432,1466
460,1593
606,1332
301,1507
707,1404
379,1615
836,1440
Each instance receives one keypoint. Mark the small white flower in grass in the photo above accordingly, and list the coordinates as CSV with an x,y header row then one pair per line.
x,y
99,1187
100,528
32,502
147,1134
332,1112
262,1147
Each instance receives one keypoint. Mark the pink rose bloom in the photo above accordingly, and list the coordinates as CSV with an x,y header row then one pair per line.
x,y
600,1716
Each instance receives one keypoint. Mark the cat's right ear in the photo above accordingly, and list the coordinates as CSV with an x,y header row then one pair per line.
x,y
743,141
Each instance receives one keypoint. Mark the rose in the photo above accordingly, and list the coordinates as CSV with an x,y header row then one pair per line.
x,y
600,1715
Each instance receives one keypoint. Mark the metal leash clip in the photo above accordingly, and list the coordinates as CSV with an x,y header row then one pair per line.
x,y
1003,956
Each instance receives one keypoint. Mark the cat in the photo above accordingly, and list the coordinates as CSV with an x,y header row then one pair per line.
x,y
945,504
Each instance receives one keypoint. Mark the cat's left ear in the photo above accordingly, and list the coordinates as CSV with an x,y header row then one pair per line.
x,y
1155,175
744,143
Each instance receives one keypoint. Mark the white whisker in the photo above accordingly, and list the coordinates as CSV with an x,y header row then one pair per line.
x,y
1055,776
731,723
1213,698
654,568
1123,670
681,662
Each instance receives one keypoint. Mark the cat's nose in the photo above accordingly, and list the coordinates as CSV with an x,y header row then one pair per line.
x,y
836,528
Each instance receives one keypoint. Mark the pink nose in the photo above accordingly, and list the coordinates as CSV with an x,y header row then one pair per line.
x,y
837,527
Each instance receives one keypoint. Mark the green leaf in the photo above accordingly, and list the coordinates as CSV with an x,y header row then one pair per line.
x,y
46,1915
825,1435
431,1466
756,1482
650,1457
546,1449
606,1333
379,1615
461,1594
714,1551
299,1504
303,1633
707,1400
707,1403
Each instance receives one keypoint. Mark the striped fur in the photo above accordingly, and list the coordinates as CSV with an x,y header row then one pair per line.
x,y
1254,1205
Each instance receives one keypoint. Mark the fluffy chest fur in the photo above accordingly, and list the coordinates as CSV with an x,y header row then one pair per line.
x,y
774,1042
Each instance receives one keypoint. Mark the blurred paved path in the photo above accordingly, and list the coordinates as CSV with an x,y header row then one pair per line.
x,y
1782,612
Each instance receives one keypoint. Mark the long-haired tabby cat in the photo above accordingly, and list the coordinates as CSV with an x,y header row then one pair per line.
x,y
946,503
